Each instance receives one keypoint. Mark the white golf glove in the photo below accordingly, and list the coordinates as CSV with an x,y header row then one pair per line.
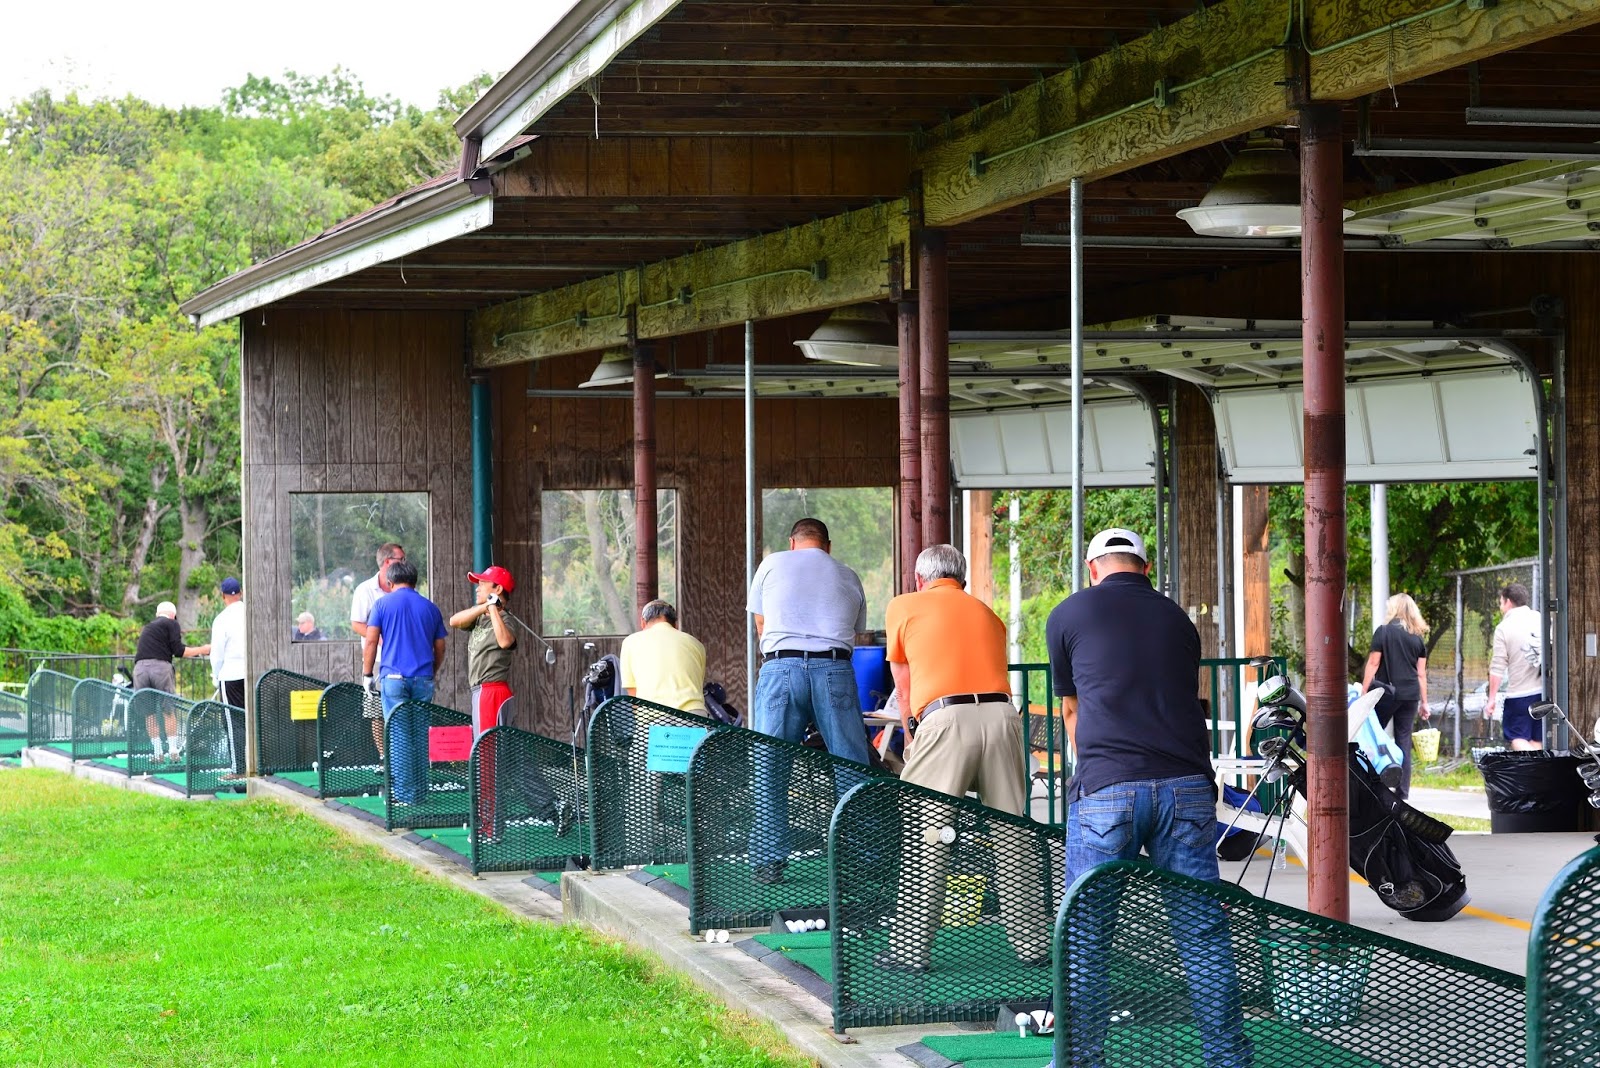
x,y
370,684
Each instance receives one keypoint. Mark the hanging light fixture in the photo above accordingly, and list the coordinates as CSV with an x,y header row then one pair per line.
x,y
1257,196
616,369
860,335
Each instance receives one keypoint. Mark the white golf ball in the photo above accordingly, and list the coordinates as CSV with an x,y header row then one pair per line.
x,y
1022,1019
822,925
722,936
813,925
947,835
793,925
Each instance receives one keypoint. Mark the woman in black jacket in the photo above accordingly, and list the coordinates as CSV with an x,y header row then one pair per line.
x,y
1399,660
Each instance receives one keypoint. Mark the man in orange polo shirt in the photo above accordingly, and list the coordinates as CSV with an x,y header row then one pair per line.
x,y
947,652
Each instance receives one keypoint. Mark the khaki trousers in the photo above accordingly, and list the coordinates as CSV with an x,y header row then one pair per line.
x,y
962,748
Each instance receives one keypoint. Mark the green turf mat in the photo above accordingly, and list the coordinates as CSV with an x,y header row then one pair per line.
x,y
347,778
1277,1046
548,876
677,874
176,778
456,839
113,761
12,746
299,778
370,804
805,884
809,949
436,803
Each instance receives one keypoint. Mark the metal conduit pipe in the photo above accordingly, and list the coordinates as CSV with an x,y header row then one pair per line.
x,y
645,580
910,403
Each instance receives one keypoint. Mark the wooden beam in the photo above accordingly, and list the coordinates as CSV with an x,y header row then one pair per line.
x,y
846,259
1217,73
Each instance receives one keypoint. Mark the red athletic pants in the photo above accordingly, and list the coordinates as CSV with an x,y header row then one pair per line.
x,y
486,701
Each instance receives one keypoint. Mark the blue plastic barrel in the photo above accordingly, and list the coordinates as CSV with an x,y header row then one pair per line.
x,y
872,675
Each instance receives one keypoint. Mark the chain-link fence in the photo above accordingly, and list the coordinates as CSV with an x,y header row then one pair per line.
x,y
286,725
346,734
758,812
527,791
193,674
1155,969
940,907
50,710
1564,970
13,724
155,731
637,755
430,750
208,749
99,720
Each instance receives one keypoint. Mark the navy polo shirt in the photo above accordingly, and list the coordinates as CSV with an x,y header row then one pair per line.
x,y
1132,658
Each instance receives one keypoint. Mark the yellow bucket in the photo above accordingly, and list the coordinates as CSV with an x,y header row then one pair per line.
x,y
963,900
1425,745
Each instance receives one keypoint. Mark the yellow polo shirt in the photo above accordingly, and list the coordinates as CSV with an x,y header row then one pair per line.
x,y
664,665
953,642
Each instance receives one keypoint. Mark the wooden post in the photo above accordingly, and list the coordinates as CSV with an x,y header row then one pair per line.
x,y
980,553
933,281
1257,577
910,498
645,579
1322,305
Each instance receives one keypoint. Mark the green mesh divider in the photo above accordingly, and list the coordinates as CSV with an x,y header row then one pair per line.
x,y
50,709
154,708
284,743
758,811
348,763
1158,970
430,749
940,907
207,748
527,797
13,723
636,815
1564,969
99,720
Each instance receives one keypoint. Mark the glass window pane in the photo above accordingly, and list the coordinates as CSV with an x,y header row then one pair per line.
x,y
860,524
335,538
587,546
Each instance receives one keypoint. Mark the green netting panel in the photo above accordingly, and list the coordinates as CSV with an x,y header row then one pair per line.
x,y
430,750
207,747
348,763
1159,970
940,907
1564,970
527,794
99,720
13,723
159,711
50,709
637,755
286,725
758,810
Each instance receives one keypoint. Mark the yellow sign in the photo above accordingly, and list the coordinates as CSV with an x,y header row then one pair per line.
x,y
303,704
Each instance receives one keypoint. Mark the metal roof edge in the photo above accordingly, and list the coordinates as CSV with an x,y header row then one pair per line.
x,y
332,255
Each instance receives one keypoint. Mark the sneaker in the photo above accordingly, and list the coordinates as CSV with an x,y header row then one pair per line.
x,y
769,874
888,962
566,818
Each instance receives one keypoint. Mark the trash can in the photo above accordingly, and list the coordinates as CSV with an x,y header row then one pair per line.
x,y
1531,791
872,675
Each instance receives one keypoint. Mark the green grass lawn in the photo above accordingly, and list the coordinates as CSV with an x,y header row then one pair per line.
x,y
140,931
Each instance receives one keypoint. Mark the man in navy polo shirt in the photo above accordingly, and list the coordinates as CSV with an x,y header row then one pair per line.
x,y
1126,661
412,632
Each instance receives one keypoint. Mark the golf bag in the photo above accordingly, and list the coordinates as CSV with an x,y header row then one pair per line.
x,y
601,683
1401,852
719,708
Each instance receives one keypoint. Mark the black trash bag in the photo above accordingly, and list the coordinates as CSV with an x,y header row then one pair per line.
x,y
1529,781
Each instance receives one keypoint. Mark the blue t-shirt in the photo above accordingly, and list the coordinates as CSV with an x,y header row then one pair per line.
x,y
409,624
1132,658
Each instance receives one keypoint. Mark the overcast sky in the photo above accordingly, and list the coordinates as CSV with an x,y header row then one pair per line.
x,y
186,52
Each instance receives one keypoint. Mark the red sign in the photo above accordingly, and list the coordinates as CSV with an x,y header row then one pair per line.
x,y
449,743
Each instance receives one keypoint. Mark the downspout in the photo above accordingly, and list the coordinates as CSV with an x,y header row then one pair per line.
x,y
482,475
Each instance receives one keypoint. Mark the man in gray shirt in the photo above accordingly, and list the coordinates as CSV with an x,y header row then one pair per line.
x,y
807,608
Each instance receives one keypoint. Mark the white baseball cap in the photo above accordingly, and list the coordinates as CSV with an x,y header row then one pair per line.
x,y
1115,540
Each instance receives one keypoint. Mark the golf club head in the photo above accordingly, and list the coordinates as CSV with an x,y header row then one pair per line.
x,y
1273,774
549,655
1273,748
1590,773
1578,747
1543,709
1594,800
1275,718
1272,690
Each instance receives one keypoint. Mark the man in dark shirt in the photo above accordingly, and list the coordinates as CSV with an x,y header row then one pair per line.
x,y
1126,661
160,642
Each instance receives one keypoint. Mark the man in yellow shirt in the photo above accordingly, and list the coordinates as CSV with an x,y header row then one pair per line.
x,y
663,665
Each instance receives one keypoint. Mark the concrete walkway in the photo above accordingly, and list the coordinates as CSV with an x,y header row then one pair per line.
x,y
1436,802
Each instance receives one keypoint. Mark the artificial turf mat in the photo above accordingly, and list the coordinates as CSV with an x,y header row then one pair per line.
x,y
10,747
732,888
809,949
553,877
677,874
367,803
299,778
518,844
1277,1045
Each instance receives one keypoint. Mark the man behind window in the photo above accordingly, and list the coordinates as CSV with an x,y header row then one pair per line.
x,y
411,631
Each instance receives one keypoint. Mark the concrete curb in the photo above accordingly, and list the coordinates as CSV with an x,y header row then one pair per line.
x,y
35,757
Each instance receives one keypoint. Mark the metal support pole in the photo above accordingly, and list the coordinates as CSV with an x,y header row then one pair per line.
x,y
1561,611
750,492
645,579
1014,616
934,344
1460,665
1380,556
1075,570
1169,444
910,445
482,476
1322,308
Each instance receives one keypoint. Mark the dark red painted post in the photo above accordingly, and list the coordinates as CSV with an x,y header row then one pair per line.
x,y
1322,308
910,445
933,291
645,580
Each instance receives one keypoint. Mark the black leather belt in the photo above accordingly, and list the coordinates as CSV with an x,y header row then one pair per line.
x,y
805,654
964,699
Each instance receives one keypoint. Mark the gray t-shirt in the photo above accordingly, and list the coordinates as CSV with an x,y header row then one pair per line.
x,y
809,601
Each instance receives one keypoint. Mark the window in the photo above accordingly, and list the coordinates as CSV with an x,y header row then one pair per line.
x,y
860,523
334,542
587,548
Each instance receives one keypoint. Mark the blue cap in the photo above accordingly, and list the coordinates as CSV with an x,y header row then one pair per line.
x,y
231,587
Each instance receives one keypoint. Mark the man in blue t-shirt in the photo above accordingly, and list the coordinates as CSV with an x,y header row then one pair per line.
x,y
1126,661
412,632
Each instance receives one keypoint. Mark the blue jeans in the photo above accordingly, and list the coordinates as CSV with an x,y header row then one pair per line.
x,y
792,692
408,737
1175,822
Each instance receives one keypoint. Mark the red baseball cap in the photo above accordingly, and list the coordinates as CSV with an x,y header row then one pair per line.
x,y
497,575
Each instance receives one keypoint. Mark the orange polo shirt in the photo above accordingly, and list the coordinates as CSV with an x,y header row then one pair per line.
x,y
953,642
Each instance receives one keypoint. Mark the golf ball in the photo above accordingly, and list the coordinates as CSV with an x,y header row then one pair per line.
x,y
722,936
1022,1019
822,925
947,835
793,925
